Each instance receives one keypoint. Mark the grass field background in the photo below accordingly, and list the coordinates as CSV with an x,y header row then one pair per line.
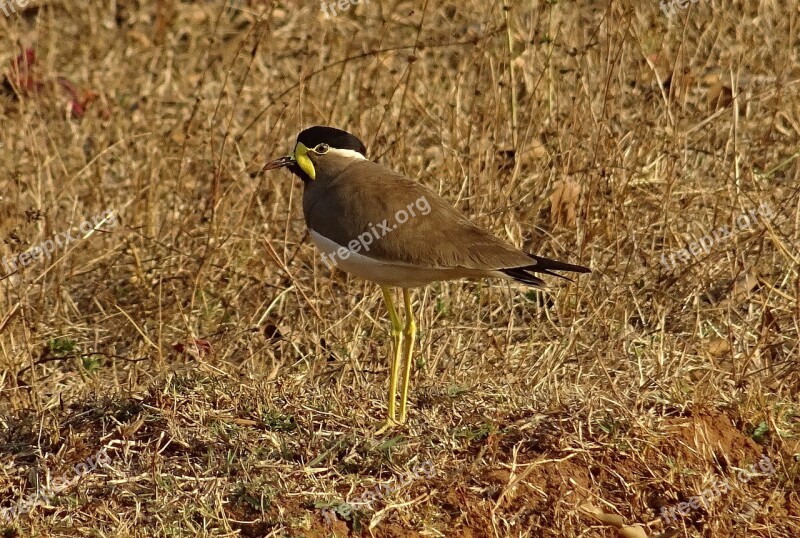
x,y
222,381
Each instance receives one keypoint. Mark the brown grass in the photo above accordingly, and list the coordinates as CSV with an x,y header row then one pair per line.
x,y
234,381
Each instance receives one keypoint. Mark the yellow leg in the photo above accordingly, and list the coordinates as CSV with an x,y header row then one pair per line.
x,y
395,367
410,334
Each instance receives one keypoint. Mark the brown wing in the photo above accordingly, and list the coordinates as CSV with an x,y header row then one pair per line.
x,y
434,234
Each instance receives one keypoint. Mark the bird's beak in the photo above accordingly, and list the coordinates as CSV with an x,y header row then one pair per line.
x,y
281,162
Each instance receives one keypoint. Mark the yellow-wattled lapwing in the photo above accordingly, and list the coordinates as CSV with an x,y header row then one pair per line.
x,y
385,227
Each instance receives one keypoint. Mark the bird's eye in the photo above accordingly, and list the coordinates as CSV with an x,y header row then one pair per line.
x,y
322,149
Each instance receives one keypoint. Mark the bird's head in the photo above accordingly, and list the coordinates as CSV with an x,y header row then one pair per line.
x,y
320,148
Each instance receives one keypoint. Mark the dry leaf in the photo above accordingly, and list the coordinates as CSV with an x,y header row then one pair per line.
x,y
245,422
744,285
633,531
718,347
614,520
679,84
669,534
26,77
127,430
564,203
718,96
526,64
197,348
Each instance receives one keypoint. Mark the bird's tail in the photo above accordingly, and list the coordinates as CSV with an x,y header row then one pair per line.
x,y
545,266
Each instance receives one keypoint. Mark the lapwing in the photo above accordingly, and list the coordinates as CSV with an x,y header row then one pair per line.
x,y
382,226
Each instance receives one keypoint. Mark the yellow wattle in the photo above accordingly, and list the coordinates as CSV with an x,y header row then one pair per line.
x,y
301,156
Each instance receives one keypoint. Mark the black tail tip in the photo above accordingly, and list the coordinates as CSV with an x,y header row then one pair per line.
x,y
546,266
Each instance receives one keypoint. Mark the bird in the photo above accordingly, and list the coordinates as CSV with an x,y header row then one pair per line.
x,y
382,226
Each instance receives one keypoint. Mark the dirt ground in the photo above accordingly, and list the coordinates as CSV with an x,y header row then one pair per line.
x,y
176,360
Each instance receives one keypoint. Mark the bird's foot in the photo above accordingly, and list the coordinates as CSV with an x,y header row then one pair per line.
x,y
386,426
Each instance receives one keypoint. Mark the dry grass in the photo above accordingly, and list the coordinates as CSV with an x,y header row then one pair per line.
x,y
234,381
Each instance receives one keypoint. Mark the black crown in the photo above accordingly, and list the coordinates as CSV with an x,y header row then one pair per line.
x,y
335,138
